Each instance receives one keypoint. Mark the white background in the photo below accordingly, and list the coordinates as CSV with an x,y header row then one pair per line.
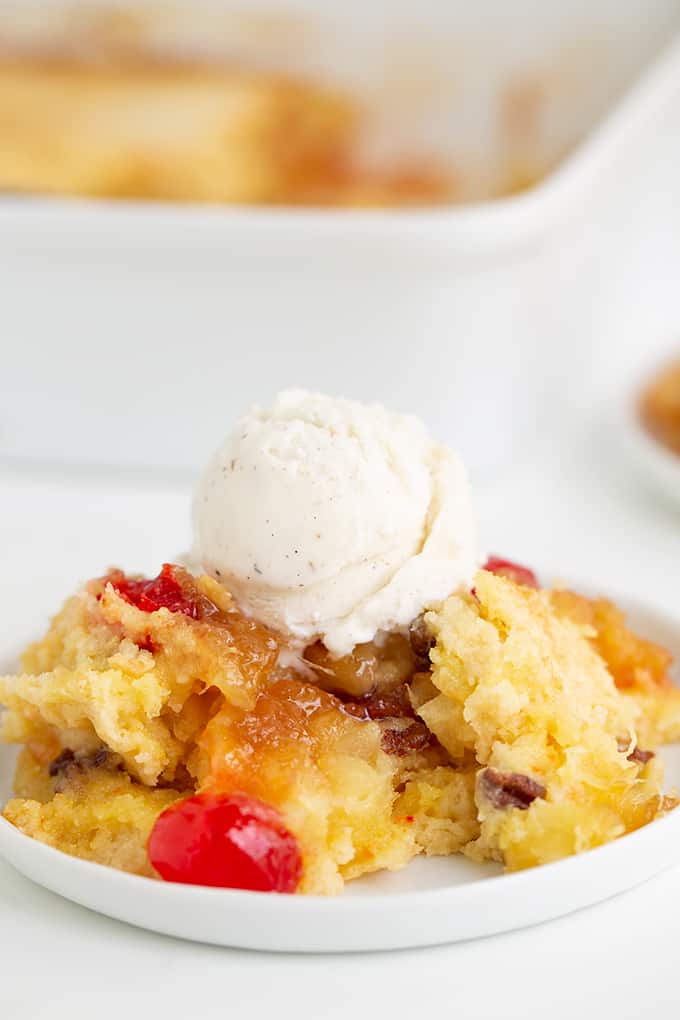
x,y
572,506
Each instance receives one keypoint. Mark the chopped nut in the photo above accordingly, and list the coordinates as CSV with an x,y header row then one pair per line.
x,y
61,762
413,737
640,756
422,642
509,789
394,704
69,760
637,754
95,760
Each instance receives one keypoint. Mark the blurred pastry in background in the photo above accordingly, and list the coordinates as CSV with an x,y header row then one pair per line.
x,y
659,406
97,109
192,131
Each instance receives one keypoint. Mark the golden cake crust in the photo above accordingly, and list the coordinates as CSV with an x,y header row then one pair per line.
x,y
533,701
91,681
97,813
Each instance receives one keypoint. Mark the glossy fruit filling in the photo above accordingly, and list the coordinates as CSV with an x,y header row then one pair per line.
x,y
162,592
229,840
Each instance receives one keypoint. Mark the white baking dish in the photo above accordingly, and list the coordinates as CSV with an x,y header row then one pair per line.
x,y
131,333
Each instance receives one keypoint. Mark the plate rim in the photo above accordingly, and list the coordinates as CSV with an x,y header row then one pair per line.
x,y
187,889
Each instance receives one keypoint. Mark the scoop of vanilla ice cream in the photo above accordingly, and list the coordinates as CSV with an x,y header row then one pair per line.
x,y
331,519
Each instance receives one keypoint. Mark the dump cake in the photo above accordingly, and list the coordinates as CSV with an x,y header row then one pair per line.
x,y
93,106
660,407
192,132
332,685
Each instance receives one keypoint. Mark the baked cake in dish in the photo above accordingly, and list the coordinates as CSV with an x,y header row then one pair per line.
x,y
170,729
193,132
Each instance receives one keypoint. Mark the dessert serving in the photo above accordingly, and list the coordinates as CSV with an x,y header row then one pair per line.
x,y
330,685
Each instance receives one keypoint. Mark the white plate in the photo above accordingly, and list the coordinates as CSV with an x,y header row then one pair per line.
x,y
654,460
432,901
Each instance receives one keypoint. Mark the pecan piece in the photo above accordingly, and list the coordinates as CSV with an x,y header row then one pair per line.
x,y
61,762
97,758
413,737
77,759
640,756
637,754
422,642
509,789
394,704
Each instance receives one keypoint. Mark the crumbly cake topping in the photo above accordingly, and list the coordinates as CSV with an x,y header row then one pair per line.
x,y
511,723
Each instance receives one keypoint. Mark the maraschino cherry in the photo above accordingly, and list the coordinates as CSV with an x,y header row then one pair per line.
x,y
229,840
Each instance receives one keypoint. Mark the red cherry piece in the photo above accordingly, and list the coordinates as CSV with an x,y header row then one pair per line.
x,y
228,840
162,591
515,572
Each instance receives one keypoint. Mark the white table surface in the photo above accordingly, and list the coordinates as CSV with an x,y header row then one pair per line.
x,y
578,512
